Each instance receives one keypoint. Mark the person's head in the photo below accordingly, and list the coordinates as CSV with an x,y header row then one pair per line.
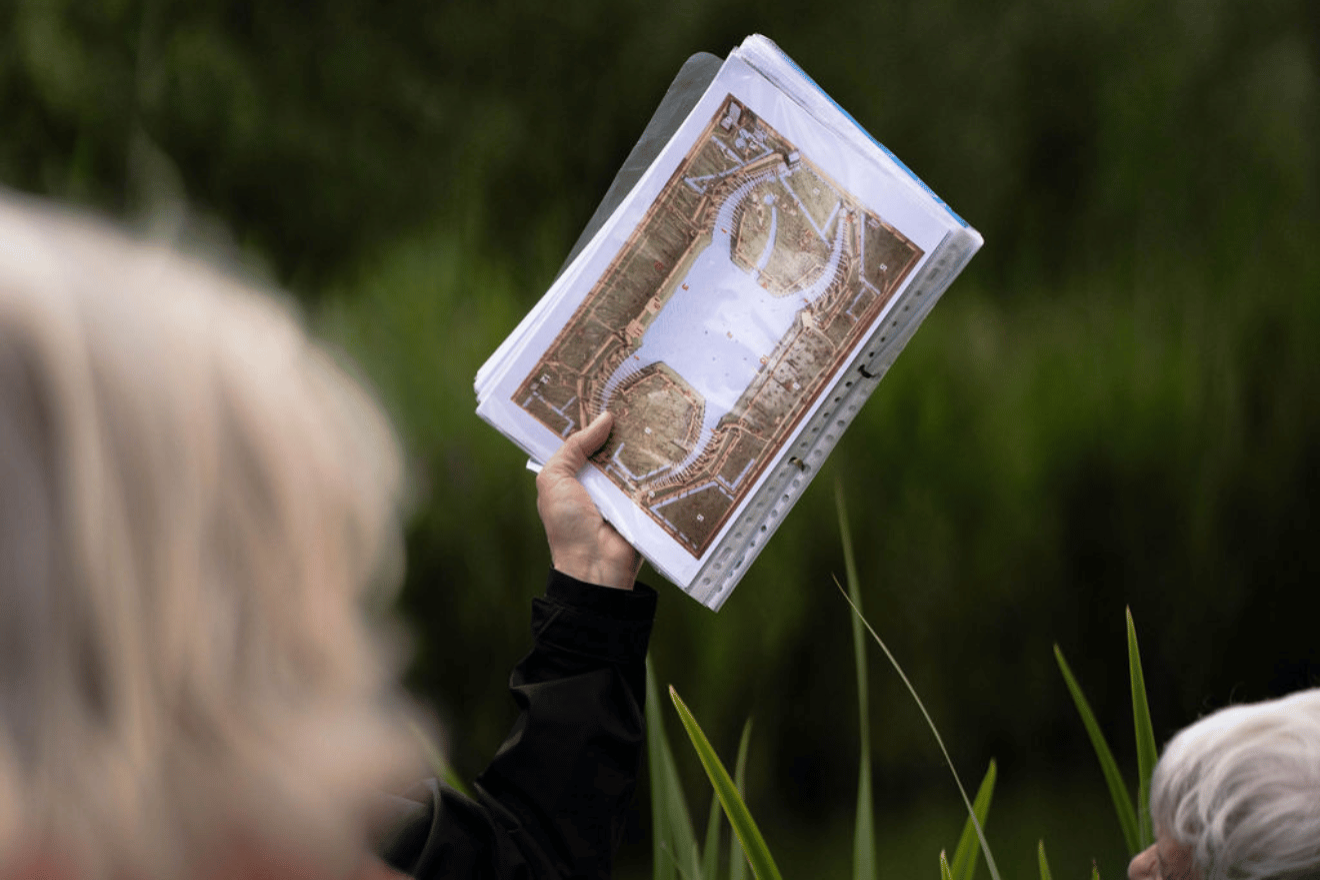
x,y
194,503
1236,796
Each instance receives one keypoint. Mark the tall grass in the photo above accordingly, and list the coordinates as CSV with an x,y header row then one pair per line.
x,y
864,832
1134,819
740,818
677,854
853,597
675,850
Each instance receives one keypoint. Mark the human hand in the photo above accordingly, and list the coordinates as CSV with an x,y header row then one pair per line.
x,y
582,544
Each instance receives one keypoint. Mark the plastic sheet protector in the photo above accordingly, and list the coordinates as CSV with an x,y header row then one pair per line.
x,y
733,313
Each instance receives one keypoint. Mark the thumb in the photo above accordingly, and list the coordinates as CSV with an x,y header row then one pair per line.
x,y
573,454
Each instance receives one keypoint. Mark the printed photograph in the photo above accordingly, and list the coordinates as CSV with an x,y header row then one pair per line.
x,y
743,291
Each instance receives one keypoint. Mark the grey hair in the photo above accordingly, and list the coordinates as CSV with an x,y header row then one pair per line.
x,y
1241,788
196,505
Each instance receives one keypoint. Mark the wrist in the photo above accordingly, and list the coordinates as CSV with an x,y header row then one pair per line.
x,y
594,570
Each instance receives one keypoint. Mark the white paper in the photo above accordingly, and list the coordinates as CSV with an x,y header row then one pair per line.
x,y
715,311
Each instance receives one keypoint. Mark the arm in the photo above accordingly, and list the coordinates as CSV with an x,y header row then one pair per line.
x,y
551,802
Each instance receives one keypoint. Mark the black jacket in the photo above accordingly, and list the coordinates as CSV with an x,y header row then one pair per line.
x,y
551,803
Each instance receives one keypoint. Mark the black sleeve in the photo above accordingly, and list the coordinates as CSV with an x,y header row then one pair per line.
x,y
551,803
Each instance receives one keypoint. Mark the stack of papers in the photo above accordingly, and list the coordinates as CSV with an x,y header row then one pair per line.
x,y
734,312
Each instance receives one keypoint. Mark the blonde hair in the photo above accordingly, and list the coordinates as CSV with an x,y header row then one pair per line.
x,y
1241,788
194,500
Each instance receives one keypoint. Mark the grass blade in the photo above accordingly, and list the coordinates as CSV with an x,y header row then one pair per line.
x,y
674,844
980,833
864,830
1044,863
964,855
1127,816
710,852
1095,871
1146,751
758,854
945,874
737,858
663,867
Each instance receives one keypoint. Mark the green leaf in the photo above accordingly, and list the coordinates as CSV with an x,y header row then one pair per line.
x,y
758,854
1095,871
674,844
1127,816
1147,754
957,780
964,855
1044,863
864,829
662,854
944,867
710,852
737,858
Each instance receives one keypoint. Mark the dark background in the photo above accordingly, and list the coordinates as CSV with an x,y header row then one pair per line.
x,y
1116,405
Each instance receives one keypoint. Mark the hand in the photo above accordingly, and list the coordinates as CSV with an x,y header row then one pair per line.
x,y
582,544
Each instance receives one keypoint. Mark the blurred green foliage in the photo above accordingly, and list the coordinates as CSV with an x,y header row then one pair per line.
x,y
1115,405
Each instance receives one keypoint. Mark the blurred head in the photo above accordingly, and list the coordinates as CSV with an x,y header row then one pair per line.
x,y
194,503
1236,796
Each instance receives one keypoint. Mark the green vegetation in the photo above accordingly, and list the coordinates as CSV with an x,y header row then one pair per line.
x,y
744,826
1044,863
1114,406
674,845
